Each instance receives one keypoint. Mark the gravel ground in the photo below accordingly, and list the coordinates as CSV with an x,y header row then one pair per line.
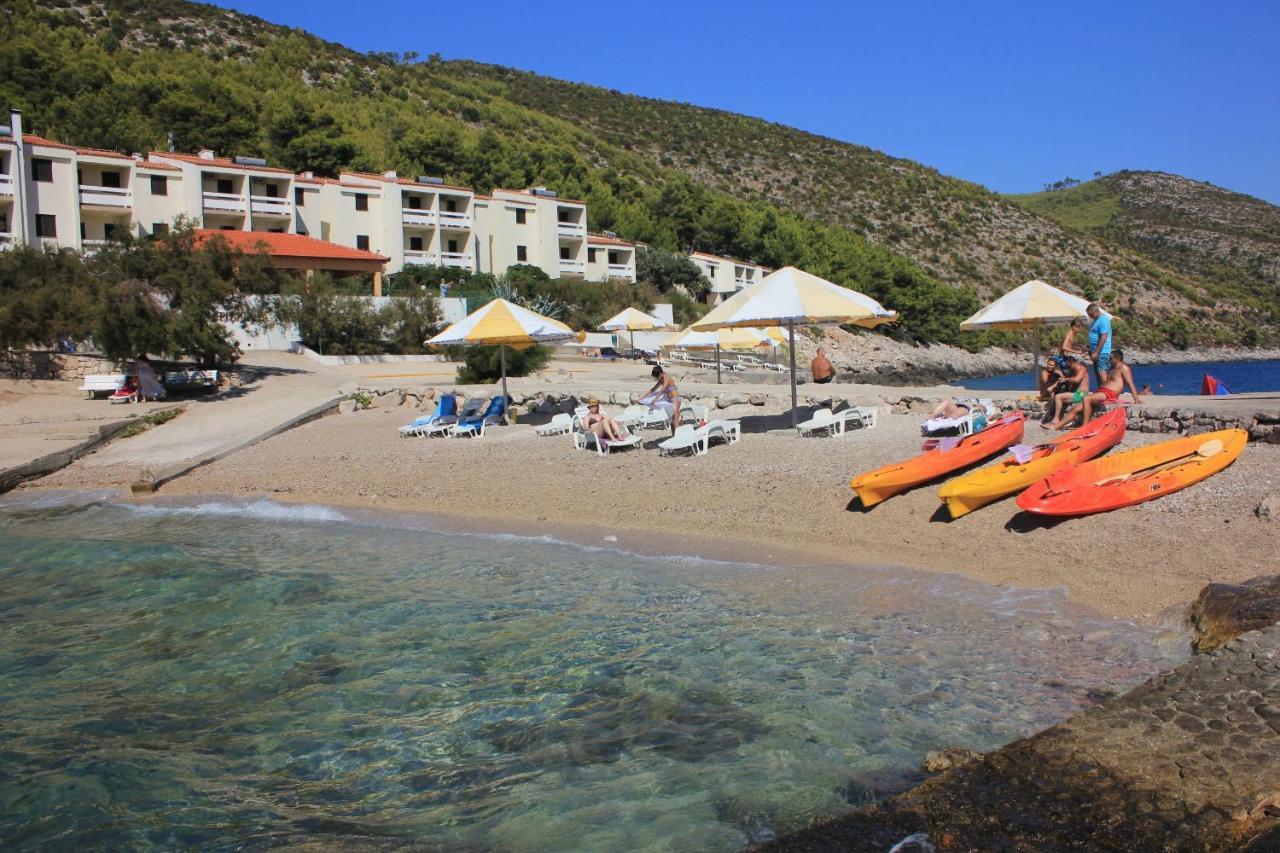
x,y
773,497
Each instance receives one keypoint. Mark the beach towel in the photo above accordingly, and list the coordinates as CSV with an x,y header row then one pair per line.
x,y
1022,453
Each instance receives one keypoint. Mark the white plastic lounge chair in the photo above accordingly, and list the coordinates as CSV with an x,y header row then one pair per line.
x,y
981,412
698,439
585,440
632,416
559,424
835,423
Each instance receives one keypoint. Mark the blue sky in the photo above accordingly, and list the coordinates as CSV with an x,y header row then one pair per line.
x,y
1011,95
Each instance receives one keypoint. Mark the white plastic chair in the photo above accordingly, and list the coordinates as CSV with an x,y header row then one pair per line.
x,y
585,439
560,423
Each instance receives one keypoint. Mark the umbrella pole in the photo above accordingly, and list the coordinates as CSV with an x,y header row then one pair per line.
x,y
1035,359
717,364
791,331
502,350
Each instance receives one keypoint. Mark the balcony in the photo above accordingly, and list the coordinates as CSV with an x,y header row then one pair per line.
x,y
6,184
742,282
105,196
572,267
224,202
456,221
573,230
414,217
456,259
621,271
6,241
91,247
421,259
265,205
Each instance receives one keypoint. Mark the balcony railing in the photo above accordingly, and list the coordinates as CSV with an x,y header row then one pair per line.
x,y
421,259
417,218
571,229
6,241
266,205
621,271
456,259
224,202
105,196
460,221
6,184
90,247
572,267
741,282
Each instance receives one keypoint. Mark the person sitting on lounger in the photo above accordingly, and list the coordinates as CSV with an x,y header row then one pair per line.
x,y
664,395
601,424
950,409
1108,394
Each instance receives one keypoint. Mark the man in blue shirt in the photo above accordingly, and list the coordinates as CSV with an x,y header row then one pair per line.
x,y
1099,341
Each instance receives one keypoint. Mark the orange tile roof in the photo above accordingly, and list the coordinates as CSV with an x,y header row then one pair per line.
x,y
409,182
288,245
737,261
32,139
605,240
163,167
218,162
547,197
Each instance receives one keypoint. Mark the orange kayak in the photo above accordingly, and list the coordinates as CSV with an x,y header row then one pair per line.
x,y
986,485
874,486
1134,476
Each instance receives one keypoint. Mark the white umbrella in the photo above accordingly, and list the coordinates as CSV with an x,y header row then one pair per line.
x,y
503,324
717,340
633,320
789,296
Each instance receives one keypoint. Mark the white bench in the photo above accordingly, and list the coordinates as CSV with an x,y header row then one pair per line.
x,y
102,383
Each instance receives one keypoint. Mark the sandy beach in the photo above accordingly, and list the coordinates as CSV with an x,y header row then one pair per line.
x,y
772,498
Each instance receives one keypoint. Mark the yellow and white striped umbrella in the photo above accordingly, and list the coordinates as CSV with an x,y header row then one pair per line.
x,y
790,295
734,339
502,322
1027,306
632,320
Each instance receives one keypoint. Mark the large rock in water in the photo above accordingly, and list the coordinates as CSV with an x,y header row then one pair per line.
x,y
1224,611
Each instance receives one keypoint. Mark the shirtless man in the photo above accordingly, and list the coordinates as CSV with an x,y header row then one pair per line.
x,y
821,368
1079,377
1119,377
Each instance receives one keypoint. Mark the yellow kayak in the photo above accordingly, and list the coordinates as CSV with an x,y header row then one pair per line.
x,y
986,485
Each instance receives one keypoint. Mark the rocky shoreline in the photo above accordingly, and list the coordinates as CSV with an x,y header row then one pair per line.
x,y
1190,760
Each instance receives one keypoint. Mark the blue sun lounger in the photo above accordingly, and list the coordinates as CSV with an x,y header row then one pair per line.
x,y
446,407
475,426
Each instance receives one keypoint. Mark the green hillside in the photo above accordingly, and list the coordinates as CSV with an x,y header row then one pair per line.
x,y
124,74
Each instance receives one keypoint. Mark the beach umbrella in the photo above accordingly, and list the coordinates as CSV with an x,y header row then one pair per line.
x,y
733,339
789,296
503,324
633,320
1029,307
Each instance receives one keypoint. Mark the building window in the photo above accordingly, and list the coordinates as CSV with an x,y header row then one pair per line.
x,y
415,244
4,223
520,215
451,206
158,228
564,253
276,230
41,169
414,202
225,186
299,197
159,185
46,224
83,232
453,247
111,180
362,201
226,228
522,254
108,231
613,258
562,215
591,256
362,241
273,191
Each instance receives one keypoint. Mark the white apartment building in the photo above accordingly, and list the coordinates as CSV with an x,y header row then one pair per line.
x,y
727,275
53,194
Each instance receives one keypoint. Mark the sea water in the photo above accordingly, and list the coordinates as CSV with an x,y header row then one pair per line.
x,y
221,675
1239,376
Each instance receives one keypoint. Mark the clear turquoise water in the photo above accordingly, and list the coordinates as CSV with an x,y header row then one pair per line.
x,y
219,676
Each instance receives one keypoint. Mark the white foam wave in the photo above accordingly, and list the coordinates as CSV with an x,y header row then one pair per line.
x,y
261,508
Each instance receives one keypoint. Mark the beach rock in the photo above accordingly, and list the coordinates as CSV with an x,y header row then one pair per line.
x,y
1269,508
945,759
757,399
410,402
348,389
724,401
347,407
385,400
1224,611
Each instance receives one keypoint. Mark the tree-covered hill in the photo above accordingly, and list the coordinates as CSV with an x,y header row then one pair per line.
x,y
125,73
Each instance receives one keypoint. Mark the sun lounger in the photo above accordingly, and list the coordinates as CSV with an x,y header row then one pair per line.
x,y
560,423
470,409
698,439
980,413
585,440
446,407
632,416
835,423
102,383
493,415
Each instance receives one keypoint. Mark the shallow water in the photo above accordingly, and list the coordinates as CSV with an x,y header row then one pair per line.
x,y
1239,376
224,675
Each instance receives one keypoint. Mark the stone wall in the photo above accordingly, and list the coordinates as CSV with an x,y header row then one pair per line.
x,y
45,364
1189,420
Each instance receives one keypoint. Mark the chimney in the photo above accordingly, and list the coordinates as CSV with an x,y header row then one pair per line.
x,y
15,124
390,176
18,170
308,175
171,146
205,154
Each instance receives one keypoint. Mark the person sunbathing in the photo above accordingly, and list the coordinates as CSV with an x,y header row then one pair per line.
x,y
1108,393
950,409
601,424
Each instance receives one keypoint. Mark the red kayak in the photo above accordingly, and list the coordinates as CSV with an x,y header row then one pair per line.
x,y
951,455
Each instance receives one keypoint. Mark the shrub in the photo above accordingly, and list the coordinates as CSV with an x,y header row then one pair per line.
x,y
484,364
